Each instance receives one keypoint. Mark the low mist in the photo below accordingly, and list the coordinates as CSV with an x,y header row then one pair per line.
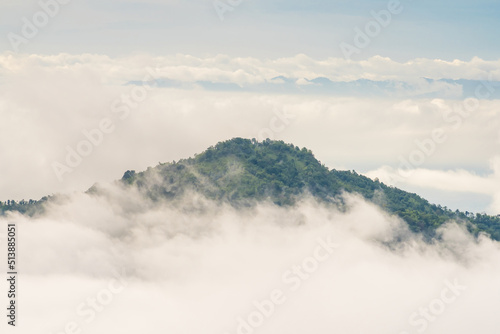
x,y
118,263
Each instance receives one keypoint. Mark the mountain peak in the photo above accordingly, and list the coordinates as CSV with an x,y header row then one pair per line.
x,y
242,171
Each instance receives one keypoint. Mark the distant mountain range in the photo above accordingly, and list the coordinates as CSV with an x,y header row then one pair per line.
x,y
421,88
244,172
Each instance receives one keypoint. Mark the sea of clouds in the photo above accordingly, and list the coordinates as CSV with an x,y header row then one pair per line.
x,y
118,263
121,264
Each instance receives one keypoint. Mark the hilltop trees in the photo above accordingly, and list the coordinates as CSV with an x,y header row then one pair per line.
x,y
243,172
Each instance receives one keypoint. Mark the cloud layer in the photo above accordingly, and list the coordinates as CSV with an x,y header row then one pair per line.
x,y
245,71
70,96
452,181
119,264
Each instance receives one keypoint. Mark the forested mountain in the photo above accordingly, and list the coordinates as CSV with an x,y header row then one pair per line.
x,y
243,172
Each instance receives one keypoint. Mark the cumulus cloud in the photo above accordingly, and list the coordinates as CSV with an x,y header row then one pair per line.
x,y
117,263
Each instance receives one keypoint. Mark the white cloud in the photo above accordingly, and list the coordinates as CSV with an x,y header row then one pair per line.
x,y
446,180
210,265
247,70
47,101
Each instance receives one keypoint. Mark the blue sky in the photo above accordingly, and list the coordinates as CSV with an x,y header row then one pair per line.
x,y
445,29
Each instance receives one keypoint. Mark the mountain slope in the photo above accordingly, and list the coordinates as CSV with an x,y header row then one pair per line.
x,y
242,172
